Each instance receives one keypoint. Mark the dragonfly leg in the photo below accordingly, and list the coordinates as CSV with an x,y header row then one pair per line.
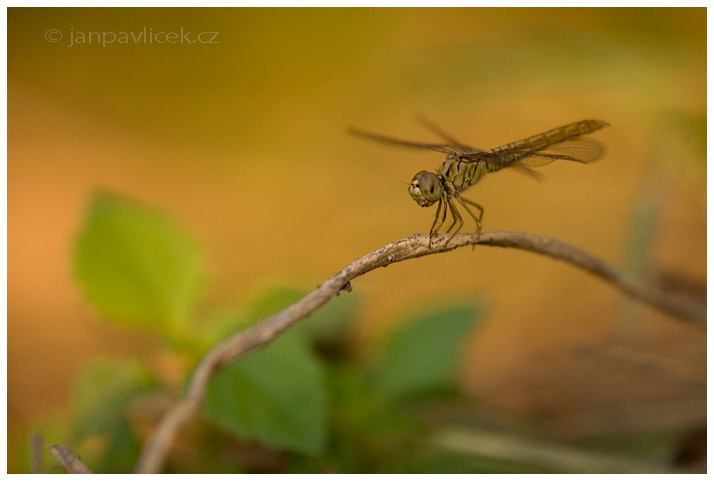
x,y
437,224
463,202
458,221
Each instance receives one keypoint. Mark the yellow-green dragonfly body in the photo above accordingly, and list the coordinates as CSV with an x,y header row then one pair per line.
x,y
464,166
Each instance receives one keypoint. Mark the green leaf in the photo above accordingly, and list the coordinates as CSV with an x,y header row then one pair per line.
x,y
275,396
326,324
135,265
423,354
103,392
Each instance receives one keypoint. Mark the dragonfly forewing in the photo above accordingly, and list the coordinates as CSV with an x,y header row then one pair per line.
x,y
444,148
463,148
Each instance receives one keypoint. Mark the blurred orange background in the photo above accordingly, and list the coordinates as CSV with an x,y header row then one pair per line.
x,y
243,141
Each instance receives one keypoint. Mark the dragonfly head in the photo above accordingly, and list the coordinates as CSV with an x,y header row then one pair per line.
x,y
425,188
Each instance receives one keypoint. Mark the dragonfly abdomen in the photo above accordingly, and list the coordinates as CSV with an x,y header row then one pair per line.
x,y
554,135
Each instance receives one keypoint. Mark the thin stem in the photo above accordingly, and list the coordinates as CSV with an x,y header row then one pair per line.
x,y
258,336
68,459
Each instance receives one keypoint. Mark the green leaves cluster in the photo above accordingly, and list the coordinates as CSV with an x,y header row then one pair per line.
x,y
309,398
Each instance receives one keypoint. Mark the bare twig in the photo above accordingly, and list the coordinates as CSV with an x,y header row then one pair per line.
x,y
69,461
505,445
37,446
261,334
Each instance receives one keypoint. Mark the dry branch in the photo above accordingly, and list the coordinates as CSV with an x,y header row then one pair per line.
x,y
69,461
261,334
37,446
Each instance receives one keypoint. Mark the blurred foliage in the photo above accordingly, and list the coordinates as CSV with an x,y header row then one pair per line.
x,y
103,392
101,422
309,402
305,397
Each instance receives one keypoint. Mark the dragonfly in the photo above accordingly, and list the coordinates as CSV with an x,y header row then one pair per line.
x,y
464,166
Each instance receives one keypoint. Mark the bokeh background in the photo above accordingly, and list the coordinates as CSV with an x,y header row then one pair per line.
x,y
243,142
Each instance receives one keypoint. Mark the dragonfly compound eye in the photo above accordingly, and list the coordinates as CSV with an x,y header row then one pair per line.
x,y
425,188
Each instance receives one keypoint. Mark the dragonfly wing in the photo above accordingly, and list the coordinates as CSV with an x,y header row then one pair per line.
x,y
441,133
575,149
537,159
525,169
445,148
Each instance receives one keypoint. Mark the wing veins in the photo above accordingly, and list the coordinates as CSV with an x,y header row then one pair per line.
x,y
576,149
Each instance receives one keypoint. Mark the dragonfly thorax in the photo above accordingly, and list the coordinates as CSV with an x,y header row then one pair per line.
x,y
425,188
